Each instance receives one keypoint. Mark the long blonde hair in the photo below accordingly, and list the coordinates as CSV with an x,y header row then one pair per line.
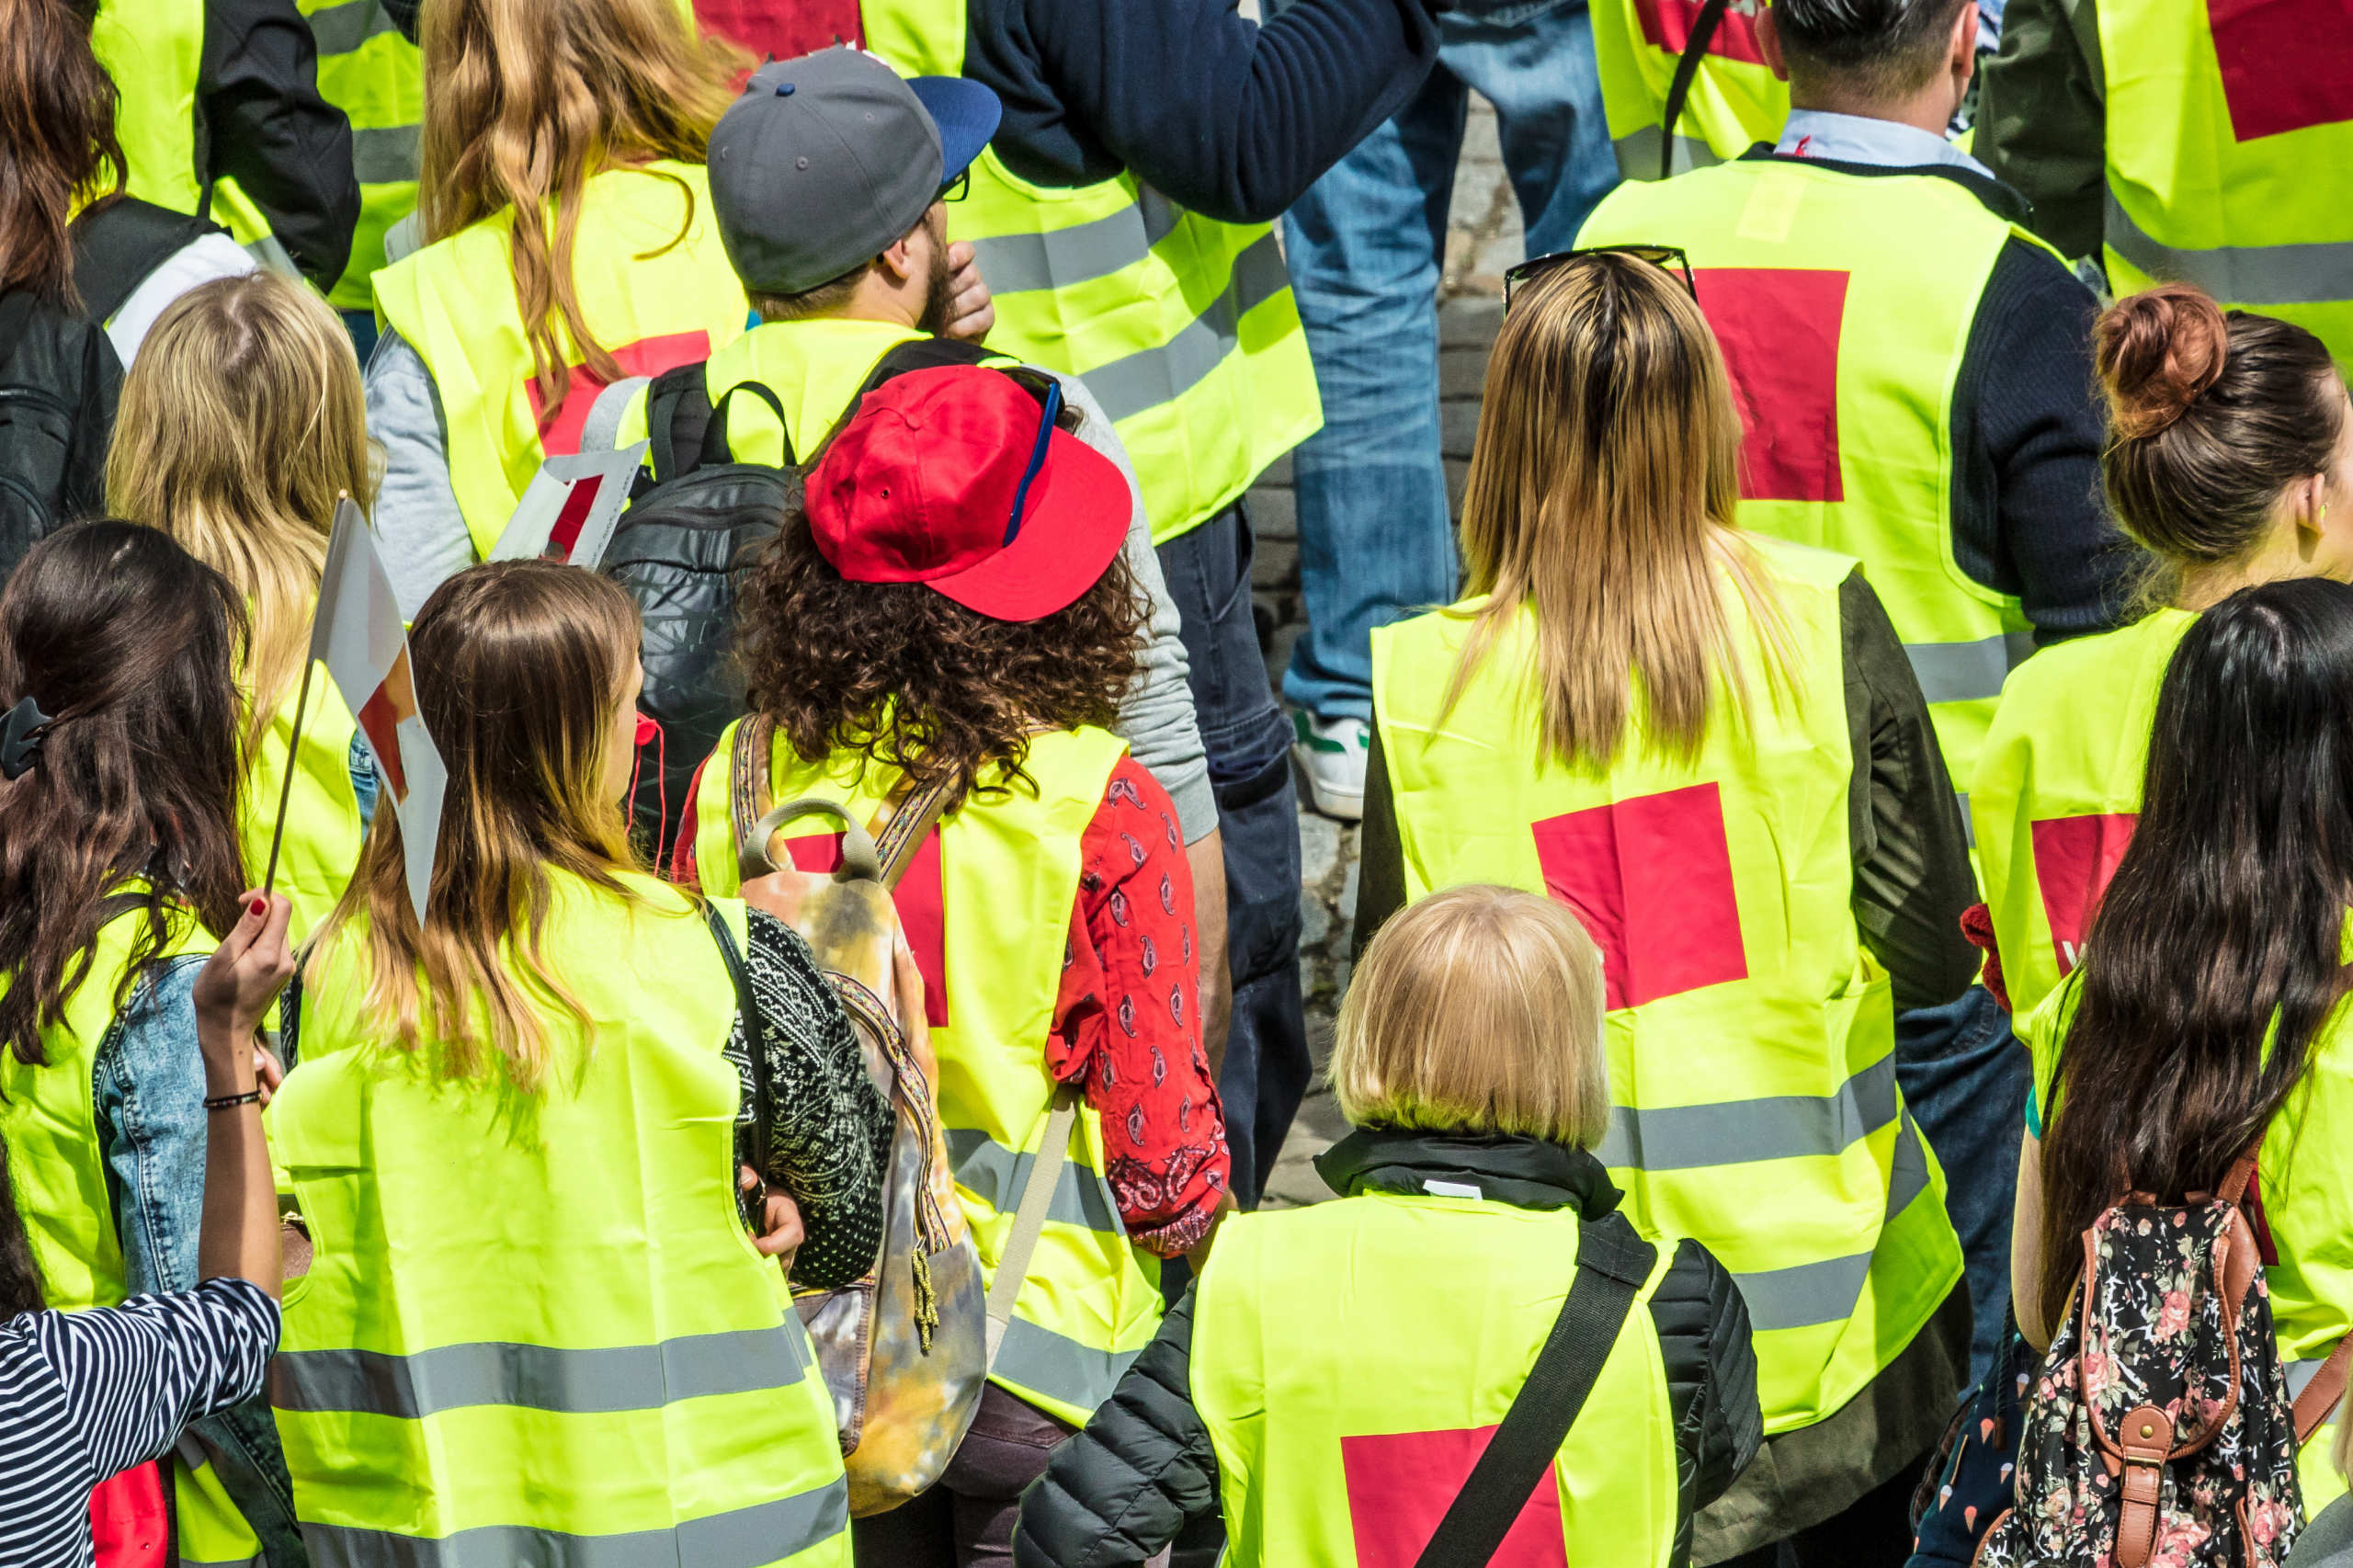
x,y
1477,1011
519,668
1601,495
241,422
525,100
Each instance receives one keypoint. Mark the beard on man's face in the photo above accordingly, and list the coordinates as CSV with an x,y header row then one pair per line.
x,y
938,301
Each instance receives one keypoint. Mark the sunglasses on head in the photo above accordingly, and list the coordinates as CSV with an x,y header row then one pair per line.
x,y
1669,259
955,189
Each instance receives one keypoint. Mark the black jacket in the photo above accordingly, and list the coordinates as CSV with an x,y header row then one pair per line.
x,y
59,381
1122,1488
259,119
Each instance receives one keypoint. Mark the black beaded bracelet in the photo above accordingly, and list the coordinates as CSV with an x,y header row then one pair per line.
x,y
231,1102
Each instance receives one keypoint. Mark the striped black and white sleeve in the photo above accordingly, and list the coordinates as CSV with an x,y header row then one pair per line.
x,y
134,1375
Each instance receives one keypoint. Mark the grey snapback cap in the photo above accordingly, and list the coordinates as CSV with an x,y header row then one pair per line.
x,y
824,163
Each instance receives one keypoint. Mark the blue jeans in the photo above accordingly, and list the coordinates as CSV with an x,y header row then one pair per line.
x,y
1266,1067
1366,246
1965,1077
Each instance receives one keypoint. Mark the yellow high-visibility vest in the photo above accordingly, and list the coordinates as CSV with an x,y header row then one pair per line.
x,y
534,1328
323,832
1734,100
154,52
1844,304
652,298
1183,327
2227,142
1007,880
1342,1432
57,1164
377,78
2058,791
1751,1035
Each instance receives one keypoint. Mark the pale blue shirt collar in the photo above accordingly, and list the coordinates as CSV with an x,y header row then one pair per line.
x,y
1857,138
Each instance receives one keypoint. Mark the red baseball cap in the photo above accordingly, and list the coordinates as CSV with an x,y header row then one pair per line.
x,y
957,479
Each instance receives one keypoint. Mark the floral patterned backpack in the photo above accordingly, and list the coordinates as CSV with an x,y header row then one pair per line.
x,y
2159,1431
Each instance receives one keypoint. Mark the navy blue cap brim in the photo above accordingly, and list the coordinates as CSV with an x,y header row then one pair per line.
x,y
967,115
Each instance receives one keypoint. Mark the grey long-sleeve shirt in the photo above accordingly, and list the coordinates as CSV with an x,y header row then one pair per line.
x,y
423,537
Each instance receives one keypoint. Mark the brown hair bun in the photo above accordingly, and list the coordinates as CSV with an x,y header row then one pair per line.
x,y
2156,351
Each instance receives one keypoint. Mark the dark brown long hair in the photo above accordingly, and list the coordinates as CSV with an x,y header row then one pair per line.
x,y
2224,920
2211,416
911,680
519,667
131,646
57,140
20,1281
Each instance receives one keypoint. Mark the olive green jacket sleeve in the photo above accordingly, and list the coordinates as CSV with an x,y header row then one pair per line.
x,y
2043,119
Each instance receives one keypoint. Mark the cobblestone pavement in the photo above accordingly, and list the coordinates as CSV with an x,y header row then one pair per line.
x,y
1484,237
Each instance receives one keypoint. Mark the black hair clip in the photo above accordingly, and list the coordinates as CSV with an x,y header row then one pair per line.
x,y
20,739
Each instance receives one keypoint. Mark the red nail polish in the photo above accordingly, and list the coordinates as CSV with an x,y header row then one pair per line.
x,y
261,906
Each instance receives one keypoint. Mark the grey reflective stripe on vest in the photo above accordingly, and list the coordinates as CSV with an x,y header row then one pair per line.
x,y
1638,154
1011,264
339,30
2318,274
1826,1292
1967,671
1149,377
1731,1132
535,1377
997,1175
256,1560
385,155
2299,1373
1062,1369
746,1537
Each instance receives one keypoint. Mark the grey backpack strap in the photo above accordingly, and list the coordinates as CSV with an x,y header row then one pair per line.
x,y
602,431
1029,1219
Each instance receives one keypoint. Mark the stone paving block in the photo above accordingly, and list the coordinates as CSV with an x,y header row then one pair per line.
x,y
1274,563
1457,427
1462,372
1274,511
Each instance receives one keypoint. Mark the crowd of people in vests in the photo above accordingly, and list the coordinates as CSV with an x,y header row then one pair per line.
x,y
650,878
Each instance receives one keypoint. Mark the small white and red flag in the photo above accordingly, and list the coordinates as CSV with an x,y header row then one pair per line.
x,y
359,637
571,507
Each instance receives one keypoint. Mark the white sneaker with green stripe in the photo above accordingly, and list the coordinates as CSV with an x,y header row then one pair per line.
x,y
1331,753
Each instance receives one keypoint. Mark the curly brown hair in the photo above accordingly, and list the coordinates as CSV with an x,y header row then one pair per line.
x,y
911,680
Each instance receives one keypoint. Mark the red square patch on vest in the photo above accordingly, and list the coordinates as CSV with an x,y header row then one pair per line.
x,y
2286,64
921,909
2073,858
1400,1485
1651,878
1666,24
646,356
1779,328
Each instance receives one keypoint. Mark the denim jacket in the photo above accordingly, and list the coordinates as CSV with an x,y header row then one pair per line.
x,y
148,1088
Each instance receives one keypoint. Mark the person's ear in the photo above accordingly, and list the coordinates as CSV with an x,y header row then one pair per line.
x,y
904,260
1769,43
1962,60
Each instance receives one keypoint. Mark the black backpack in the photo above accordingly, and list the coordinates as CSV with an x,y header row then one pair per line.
x,y
690,531
59,375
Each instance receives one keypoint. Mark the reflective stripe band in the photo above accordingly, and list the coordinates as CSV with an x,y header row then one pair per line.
x,y
1732,1132
2300,1373
1060,1368
387,155
997,1175
2319,274
1151,377
1638,154
1827,1291
455,1376
188,1562
1061,259
339,30
1967,671
765,1532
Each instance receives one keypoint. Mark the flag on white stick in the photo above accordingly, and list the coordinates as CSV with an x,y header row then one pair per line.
x,y
359,637
571,507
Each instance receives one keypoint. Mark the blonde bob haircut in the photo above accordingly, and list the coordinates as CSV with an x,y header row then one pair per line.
x,y
1477,1011
241,422
1602,494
